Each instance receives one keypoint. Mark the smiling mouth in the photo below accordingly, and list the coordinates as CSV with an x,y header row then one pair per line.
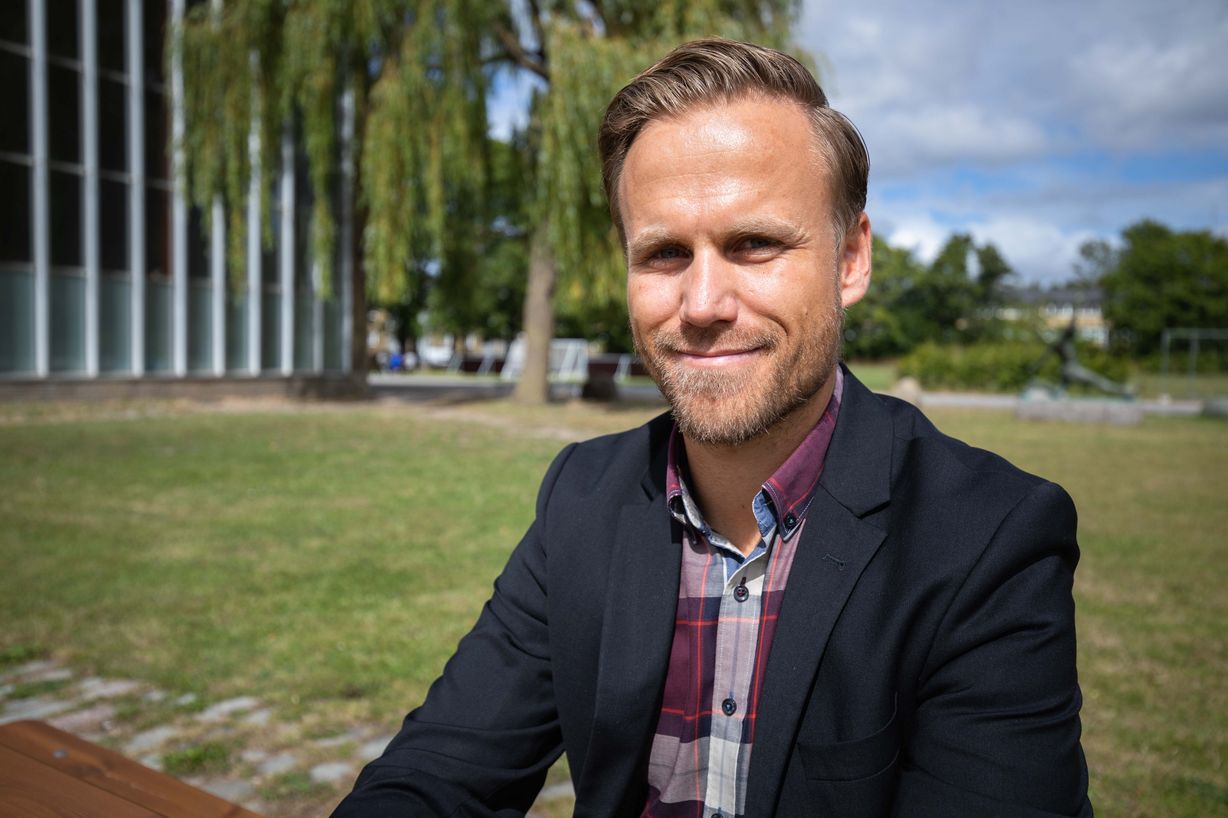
x,y
716,358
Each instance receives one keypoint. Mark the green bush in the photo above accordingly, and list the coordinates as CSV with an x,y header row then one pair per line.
x,y
999,367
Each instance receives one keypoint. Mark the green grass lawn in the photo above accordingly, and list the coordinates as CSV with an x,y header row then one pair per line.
x,y
326,559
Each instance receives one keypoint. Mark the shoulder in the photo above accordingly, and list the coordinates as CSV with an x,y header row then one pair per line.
x,y
946,463
971,504
947,499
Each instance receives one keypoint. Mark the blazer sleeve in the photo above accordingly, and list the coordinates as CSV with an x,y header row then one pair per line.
x,y
482,741
996,730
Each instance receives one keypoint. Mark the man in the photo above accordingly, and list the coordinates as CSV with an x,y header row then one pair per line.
x,y
794,597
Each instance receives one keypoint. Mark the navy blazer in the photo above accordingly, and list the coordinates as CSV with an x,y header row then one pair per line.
x,y
923,664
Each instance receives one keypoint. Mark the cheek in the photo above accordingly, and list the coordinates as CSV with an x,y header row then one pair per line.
x,y
649,303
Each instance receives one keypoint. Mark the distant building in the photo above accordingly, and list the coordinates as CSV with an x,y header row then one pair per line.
x,y
105,271
1056,306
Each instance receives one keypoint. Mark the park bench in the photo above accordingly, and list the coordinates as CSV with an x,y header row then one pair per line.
x,y
47,772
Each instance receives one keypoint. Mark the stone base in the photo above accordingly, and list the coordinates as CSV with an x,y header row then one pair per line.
x,y
305,387
1080,410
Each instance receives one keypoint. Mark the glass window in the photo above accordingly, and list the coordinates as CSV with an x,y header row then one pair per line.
x,y
65,219
154,22
15,102
198,262
62,21
15,212
13,26
64,113
157,144
112,125
113,224
157,232
110,22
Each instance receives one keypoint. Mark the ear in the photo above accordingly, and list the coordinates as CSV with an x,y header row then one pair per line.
x,y
855,262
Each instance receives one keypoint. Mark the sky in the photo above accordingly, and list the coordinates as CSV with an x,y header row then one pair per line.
x,y
1037,125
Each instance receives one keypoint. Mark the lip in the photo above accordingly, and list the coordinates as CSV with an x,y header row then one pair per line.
x,y
718,358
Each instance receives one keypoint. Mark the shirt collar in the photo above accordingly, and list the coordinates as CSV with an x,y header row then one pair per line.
x,y
790,488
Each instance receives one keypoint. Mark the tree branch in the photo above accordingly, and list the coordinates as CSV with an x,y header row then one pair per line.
x,y
539,31
518,54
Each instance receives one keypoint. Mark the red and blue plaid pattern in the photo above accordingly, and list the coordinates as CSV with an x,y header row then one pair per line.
x,y
728,604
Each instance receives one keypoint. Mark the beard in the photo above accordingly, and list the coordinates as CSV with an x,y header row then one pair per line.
x,y
731,408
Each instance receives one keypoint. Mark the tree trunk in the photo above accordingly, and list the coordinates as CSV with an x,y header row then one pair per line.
x,y
534,385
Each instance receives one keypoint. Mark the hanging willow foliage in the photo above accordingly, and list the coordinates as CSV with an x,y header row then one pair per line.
x,y
420,71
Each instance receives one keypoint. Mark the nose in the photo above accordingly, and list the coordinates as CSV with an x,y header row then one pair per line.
x,y
709,291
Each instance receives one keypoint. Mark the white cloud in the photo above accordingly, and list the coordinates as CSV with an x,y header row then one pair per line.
x,y
1039,251
949,135
1146,94
920,234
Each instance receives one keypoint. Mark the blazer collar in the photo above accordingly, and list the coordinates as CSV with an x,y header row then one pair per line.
x,y
857,471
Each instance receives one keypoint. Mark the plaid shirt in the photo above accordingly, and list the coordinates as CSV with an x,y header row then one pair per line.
x,y
727,609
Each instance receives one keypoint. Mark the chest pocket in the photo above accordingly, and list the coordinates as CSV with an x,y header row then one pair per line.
x,y
854,777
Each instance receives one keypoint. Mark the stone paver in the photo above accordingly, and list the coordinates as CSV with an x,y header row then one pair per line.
x,y
95,719
150,739
35,707
354,735
373,748
222,709
28,669
278,764
332,772
95,688
54,674
232,789
258,718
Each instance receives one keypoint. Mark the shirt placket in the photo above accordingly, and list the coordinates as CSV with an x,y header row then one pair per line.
x,y
736,645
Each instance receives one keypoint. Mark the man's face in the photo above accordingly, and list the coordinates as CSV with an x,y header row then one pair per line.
x,y
736,284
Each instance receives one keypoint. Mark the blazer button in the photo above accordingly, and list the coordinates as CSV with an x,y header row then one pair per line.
x,y
729,707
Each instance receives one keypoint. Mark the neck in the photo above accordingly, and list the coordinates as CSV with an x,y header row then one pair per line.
x,y
725,478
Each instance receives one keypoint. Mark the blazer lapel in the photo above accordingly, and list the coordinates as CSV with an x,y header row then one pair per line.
x,y
837,544
636,635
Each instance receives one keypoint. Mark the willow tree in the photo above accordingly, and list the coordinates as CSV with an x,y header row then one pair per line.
x,y
419,76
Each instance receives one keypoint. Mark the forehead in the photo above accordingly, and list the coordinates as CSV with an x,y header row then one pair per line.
x,y
755,154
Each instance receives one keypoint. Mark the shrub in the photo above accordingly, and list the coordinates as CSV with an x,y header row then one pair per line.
x,y
999,367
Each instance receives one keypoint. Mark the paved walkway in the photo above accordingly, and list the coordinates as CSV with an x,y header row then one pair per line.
x,y
457,388
240,749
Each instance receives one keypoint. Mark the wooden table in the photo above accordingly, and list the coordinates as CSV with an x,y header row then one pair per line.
x,y
45,772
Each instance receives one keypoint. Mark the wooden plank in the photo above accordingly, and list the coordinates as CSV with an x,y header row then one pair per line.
x,y
110,771
29,789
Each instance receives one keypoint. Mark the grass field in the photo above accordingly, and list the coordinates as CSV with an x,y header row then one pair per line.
x,y
326,559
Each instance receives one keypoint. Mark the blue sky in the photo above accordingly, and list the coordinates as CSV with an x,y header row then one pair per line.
x,y
1033,125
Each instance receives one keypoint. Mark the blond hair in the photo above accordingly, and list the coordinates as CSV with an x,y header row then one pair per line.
x,y
713,71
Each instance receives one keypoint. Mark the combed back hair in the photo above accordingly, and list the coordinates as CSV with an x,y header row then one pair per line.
x,y
715,71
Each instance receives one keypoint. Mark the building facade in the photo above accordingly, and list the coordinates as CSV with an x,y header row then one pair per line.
x,y
106,271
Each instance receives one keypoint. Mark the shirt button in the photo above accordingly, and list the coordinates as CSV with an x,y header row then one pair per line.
x,y
741,593
790,521
729,707
717,815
